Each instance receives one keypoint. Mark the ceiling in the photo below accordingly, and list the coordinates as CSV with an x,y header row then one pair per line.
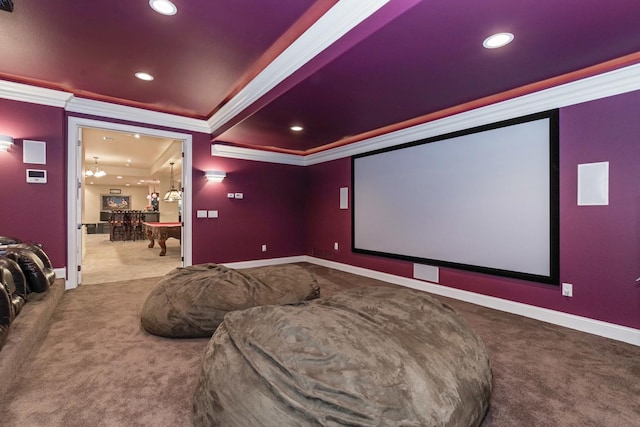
x,y
131,159
343,70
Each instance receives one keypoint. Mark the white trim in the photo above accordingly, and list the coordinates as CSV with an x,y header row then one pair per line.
x,y
264,262
583,324
148,117
73,176
603,85
219,150
607,84
334,24
33,94
61,273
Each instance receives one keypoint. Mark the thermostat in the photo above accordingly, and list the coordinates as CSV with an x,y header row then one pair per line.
x,y
36,176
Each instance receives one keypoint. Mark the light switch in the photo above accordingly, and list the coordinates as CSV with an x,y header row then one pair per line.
x,y
239,196
231,195
213,214
201,214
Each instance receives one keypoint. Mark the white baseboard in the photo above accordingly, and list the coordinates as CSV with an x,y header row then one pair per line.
x,y
61,273
264,262
583,324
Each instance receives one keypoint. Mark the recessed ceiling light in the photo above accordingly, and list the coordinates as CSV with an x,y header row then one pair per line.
x,y
296,128
119,177
144,76
136,136
164,7
497,40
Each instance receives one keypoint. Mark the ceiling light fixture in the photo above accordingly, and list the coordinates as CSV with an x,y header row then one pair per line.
x,y
95,172
144,76
296,128
498,40
173,195
164,7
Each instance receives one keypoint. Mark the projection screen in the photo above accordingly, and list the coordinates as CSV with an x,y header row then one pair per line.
x,y
484,199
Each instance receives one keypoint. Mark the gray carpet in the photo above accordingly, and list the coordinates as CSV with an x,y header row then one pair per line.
x,y
97,367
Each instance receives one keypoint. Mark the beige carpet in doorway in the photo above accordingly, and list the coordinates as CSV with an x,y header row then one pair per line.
x,y
105,261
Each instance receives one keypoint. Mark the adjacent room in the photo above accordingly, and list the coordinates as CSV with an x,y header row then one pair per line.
x,y
128,181
321,212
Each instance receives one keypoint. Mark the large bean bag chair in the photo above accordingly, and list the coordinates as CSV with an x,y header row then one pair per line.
x,y
362,357
192,301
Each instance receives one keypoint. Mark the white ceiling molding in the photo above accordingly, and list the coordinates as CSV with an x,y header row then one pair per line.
x,y
123,112
334,24
33,94
219,150
588,89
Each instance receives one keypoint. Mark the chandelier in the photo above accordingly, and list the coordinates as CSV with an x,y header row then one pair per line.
x,y
173,195
96,172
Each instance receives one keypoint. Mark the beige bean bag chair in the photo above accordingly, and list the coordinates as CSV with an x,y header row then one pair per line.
x,y
191,302
362,357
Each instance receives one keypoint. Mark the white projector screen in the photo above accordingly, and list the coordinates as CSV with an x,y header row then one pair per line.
x,y
485,199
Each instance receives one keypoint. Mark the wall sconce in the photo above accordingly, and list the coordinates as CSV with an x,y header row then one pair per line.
x,y
215,176
5,142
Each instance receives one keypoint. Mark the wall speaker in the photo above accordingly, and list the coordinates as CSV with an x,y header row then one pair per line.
x,y
593,184
34,152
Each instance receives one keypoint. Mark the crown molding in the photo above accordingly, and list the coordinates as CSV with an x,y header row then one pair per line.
x,y
611,83
334,24
123,112
33,94
219,150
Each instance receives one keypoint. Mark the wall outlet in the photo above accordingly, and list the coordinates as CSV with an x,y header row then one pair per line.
x,y
567,290
335,246
239,195
231,195
264,248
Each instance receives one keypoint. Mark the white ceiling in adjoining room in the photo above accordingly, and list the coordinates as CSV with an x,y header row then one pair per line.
x,y
138,160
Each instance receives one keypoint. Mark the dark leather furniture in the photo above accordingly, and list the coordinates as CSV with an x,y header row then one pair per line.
x,y
6,240
13,293
14,282
5,315
35,265
24,268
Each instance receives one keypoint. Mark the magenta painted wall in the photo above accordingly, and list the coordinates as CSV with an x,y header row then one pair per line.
x,y
599,244
271,212
295,210
34,212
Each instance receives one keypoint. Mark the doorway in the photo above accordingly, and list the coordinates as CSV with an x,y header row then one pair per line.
x,y
130,178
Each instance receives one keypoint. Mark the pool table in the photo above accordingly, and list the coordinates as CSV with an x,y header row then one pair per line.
x,y
161,231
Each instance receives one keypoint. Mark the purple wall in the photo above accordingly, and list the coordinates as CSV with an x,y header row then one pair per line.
x,y
271,212
35,212
295,210
599,244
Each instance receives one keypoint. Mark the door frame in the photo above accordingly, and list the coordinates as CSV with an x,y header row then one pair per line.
x,y
74,187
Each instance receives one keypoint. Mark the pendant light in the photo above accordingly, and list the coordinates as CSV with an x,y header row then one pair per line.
x,y
172,195
95,172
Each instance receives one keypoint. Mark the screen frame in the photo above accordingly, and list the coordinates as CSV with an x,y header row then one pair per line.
x,y
553,278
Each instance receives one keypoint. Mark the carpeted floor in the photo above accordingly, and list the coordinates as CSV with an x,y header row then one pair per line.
x,y
97,367
105,261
